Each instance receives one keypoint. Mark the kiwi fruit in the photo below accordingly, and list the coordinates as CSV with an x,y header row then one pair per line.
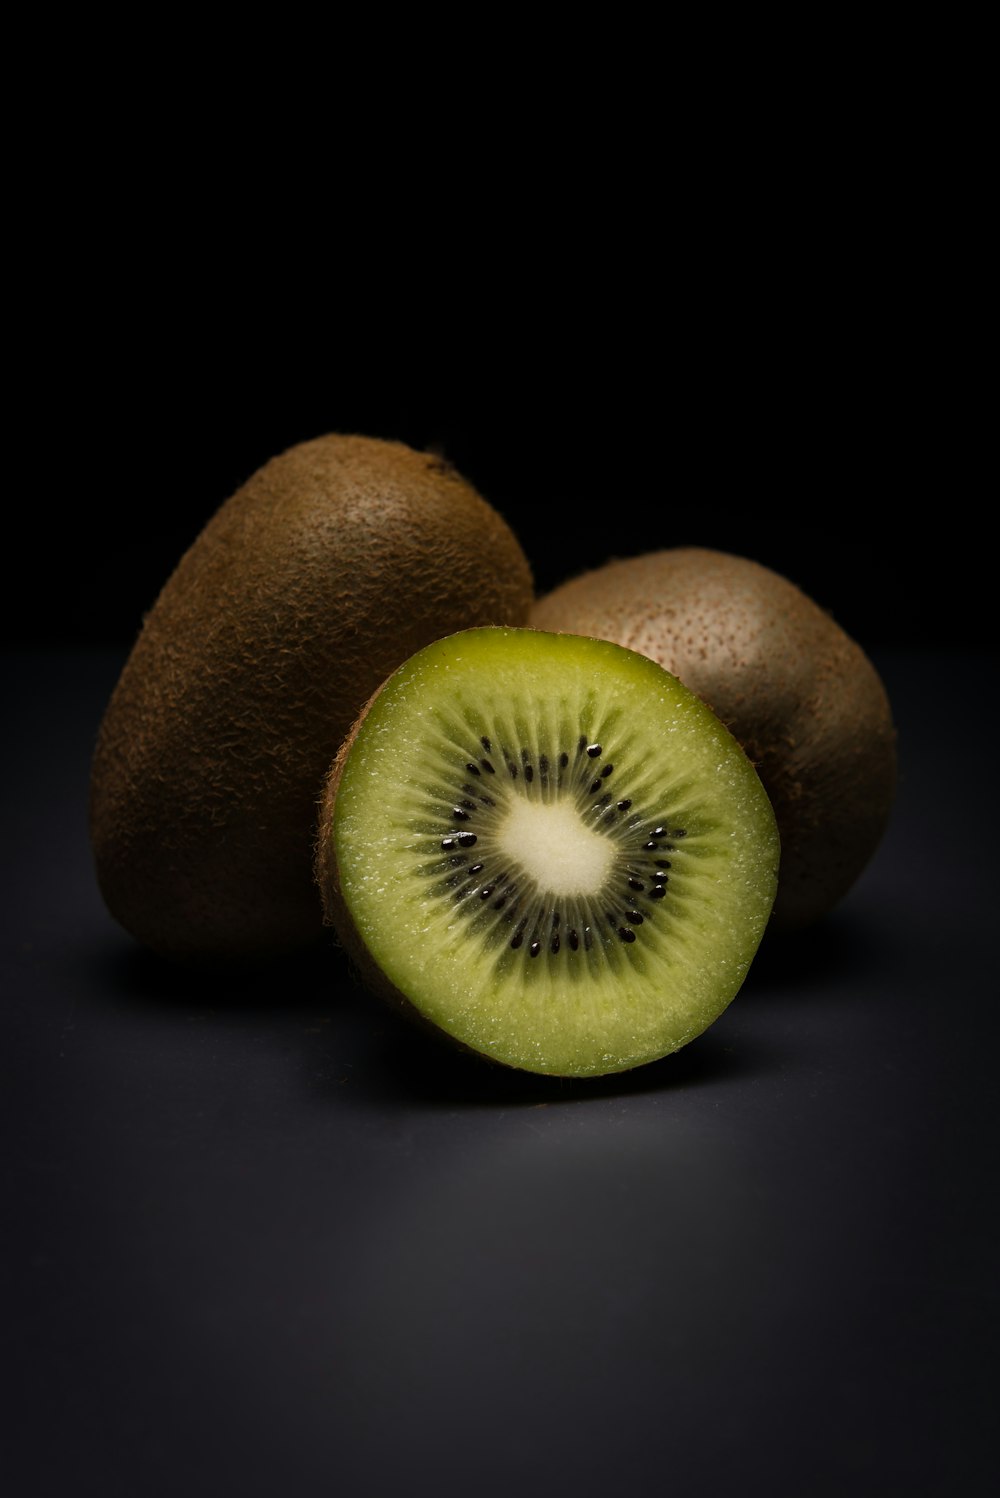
x,y
331,565
549,849
799,694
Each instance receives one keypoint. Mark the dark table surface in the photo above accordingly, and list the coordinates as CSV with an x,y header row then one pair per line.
x,y
260,1238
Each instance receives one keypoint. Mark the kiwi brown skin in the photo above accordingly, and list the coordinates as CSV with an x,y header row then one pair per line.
x,y
800,696
337,560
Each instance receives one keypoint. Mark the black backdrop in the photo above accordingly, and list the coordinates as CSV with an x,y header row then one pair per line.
x,y
816,425
205,1183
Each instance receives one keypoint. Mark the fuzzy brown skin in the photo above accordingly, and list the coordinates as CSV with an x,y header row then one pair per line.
x,y
797,693
335,562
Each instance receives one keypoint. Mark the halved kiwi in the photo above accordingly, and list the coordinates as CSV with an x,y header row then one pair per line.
x,y
550,848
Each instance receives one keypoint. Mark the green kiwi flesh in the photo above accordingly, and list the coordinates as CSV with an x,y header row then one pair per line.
x,y
332,564
799,694
550,849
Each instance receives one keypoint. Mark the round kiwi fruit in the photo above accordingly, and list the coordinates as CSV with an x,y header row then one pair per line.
x,y
549,849
335,562
799,694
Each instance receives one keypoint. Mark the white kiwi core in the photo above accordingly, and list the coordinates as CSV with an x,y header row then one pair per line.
x,y
554,848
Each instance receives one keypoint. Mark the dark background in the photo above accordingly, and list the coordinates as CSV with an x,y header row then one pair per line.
x,y
815,414
260,1239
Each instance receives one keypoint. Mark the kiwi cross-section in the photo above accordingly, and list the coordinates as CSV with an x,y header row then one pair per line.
x,y
550,849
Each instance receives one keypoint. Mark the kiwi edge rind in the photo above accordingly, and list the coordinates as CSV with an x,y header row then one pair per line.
x,y
337,918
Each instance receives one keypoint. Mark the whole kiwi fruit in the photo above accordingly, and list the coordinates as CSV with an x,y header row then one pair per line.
x,y
335,561
800,696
